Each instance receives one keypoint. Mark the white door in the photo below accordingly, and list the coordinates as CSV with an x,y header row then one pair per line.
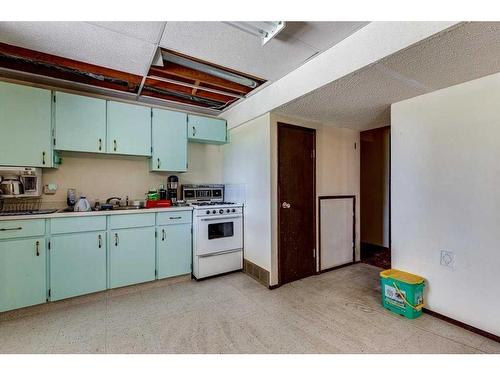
x,y
336,231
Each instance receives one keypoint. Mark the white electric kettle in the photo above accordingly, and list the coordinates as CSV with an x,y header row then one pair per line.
x,y
82,204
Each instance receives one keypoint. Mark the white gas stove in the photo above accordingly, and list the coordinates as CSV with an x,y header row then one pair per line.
x,y
217,231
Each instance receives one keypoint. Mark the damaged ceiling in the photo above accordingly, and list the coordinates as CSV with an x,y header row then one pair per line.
x,y
201,66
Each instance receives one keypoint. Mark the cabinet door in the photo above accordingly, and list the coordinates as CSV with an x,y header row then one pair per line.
x,y
22,273
77,264
80,123
132,256
25,126
129,129
169,140
174,250
206,129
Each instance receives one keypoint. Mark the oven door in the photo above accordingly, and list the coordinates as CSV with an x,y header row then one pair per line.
x,y
219,234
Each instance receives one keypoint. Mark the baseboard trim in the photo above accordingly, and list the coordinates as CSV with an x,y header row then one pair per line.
x,y
463,325
337,267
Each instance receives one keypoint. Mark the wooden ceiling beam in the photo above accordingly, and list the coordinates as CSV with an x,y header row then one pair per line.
x,y
9,50
188,90
195,75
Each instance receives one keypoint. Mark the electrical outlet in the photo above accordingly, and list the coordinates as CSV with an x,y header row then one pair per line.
x,y
448,259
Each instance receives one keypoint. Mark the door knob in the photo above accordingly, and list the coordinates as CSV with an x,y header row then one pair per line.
x,y
285,205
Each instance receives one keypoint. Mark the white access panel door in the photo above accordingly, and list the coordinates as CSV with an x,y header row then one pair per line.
x,y
336,231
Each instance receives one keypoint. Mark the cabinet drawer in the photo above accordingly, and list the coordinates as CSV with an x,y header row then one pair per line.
x,y
21,228
173,217
131,221
77,224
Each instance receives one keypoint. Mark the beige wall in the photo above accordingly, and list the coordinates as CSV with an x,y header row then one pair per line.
x,y
337,172
103,176
375,167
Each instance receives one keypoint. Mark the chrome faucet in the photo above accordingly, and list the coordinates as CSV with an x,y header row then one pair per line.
x,y
118,199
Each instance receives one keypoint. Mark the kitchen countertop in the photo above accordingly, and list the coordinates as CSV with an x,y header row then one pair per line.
x,y
96,213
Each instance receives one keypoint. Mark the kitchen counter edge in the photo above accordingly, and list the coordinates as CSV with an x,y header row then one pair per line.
x,y
95,213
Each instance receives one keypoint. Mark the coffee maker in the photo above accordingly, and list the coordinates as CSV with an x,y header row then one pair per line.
x,y
172,186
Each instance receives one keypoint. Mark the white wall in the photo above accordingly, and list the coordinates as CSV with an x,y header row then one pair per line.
x,y
445,195
246,173
337,172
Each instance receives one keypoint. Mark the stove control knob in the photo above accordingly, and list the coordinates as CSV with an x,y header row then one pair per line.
x,y
214,211
233,210
208,211
228,210
221,211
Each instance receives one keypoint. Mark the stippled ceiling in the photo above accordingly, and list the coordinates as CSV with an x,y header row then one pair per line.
x,y
362,100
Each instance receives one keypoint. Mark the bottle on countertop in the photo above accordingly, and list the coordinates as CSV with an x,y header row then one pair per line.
x,y
162,192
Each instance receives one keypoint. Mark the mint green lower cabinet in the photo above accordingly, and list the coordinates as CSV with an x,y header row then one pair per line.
x,y
131,256
22,273
173,245
77,264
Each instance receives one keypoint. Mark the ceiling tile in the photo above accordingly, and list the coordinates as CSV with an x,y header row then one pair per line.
x,y
80,41
362,100
228,46
320,35
146,31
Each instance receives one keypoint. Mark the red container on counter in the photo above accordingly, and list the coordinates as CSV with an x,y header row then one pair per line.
x,y
159,203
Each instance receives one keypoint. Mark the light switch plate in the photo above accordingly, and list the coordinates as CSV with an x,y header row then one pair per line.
x,y
447,259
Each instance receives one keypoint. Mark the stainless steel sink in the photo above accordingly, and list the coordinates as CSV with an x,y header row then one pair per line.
x,y
121,208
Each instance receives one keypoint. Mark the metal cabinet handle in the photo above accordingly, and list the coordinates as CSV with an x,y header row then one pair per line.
x,y
117,239
194,131
6,229
37,246
99,238
286,205
100,144
43,157
163,234
175,217
158,163
114,144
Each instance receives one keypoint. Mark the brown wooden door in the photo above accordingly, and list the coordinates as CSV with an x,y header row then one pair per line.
x,y
296,200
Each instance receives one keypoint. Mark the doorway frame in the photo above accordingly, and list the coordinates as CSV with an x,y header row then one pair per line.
x,y
324,197
314,228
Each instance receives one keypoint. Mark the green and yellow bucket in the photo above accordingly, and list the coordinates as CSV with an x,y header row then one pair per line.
x,y
402,293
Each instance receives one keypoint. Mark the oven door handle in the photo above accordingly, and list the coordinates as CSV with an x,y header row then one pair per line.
x,y
221,218
206,255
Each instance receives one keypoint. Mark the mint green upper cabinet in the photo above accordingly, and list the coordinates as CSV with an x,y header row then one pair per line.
x,y
131,256
173,245
129,129
77,264
169,139
80,123
206,129
22,273
25,126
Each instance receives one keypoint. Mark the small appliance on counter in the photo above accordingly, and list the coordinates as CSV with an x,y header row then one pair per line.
x,y
82,205
20,182
172,186
154,198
